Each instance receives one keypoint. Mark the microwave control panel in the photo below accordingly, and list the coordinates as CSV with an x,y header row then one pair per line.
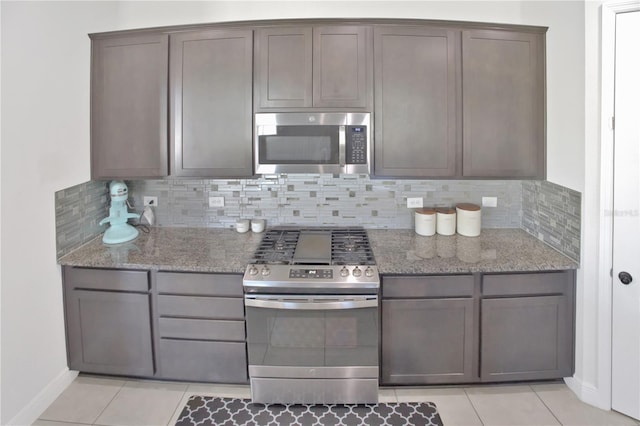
x,y
356,145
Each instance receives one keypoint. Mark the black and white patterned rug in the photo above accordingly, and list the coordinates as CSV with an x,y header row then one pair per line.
x,y
209,411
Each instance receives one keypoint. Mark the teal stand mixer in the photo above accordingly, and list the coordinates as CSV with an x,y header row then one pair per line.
x,y
119,231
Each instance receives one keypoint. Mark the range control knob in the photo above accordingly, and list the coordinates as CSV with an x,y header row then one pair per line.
x,y
253,270
344,272
266,271
357,272
368,272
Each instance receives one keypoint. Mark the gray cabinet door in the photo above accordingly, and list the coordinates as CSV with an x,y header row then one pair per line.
x,y
284,67
109,332
321,67
341,66
526,338
428,341
211,103
417,86
503,104
129,107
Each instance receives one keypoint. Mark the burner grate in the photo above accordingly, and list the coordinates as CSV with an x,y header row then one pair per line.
x,y
349,246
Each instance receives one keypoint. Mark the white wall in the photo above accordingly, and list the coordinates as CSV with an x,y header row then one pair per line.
x,y
45,147
45,77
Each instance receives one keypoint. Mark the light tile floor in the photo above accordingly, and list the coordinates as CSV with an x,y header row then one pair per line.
x,y
110,402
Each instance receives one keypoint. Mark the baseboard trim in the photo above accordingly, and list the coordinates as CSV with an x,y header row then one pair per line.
x,y
37,405
588,393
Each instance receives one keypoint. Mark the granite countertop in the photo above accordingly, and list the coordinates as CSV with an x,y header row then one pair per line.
x,y
171,249
402,251
397,251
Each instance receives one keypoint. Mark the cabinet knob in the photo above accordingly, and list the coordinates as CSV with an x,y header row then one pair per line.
x,y
625,278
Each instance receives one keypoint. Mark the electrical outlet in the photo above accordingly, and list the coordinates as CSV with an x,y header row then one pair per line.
x,y
216,201
150,201
414,202
489,201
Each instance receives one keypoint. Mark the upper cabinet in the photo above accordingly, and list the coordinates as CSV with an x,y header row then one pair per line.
x,y
211,103
129,106
319,67
503,104
452,100
417,86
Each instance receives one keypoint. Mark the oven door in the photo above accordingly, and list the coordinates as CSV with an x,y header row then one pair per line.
x,y
312,336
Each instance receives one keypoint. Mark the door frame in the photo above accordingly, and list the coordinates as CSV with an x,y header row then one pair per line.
x,y
605,288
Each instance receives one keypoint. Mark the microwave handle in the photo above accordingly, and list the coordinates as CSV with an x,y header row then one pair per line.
x,y
309,304
342,142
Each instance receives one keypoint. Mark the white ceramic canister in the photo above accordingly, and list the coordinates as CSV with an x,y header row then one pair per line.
x,y
469,219
425,221
446,221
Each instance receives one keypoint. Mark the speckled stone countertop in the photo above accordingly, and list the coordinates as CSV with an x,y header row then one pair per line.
x,y
397,251
402,251
172,249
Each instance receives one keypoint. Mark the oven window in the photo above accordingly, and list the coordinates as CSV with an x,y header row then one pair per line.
x,y
300,145
278,337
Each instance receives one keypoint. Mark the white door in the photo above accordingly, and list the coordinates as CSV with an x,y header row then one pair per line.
x,y
625,392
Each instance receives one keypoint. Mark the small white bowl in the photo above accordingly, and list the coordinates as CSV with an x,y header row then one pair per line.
x,y
242,225
257,225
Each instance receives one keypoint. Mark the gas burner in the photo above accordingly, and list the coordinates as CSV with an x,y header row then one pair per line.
x,y
349,246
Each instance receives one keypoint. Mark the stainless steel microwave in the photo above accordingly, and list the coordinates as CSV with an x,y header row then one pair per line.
x,y
319,142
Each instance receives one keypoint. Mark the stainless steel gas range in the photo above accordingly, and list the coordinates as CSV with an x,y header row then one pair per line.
x,y
311,300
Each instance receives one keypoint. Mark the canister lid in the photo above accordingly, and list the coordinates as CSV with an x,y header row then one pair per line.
x,y
445,210
468,207
426,211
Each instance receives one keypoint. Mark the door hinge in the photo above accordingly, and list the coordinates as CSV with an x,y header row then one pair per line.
x,y
611,272
612,123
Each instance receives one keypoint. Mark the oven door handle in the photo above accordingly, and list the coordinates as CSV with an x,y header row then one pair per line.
x,y
310,304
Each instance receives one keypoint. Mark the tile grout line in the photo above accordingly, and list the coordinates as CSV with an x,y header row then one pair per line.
x,y
473,406
545,405
110,401
186,389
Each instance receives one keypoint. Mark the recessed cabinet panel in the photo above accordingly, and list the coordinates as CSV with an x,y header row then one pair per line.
x,y
129,107
427,341
340,66
503,104
416,90
526,338
284,67
109,333
211,108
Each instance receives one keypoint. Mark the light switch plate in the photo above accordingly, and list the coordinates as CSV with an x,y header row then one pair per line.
x,y
489,201
414,202
150,201
216,201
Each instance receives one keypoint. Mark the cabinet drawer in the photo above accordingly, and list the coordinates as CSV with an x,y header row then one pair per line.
x,y
203,361
427,286
184,328
525,284
226,285
106,279
201,307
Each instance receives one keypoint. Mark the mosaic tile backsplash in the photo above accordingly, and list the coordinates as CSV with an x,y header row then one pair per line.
x,y
78,211
551,213
320,200
547,211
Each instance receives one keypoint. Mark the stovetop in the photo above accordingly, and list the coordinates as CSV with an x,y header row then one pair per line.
x,y
298,246
313,260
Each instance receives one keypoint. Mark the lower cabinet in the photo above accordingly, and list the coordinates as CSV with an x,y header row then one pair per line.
x,y
428,333
167,325
527,327
108,321
482,328
201,332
